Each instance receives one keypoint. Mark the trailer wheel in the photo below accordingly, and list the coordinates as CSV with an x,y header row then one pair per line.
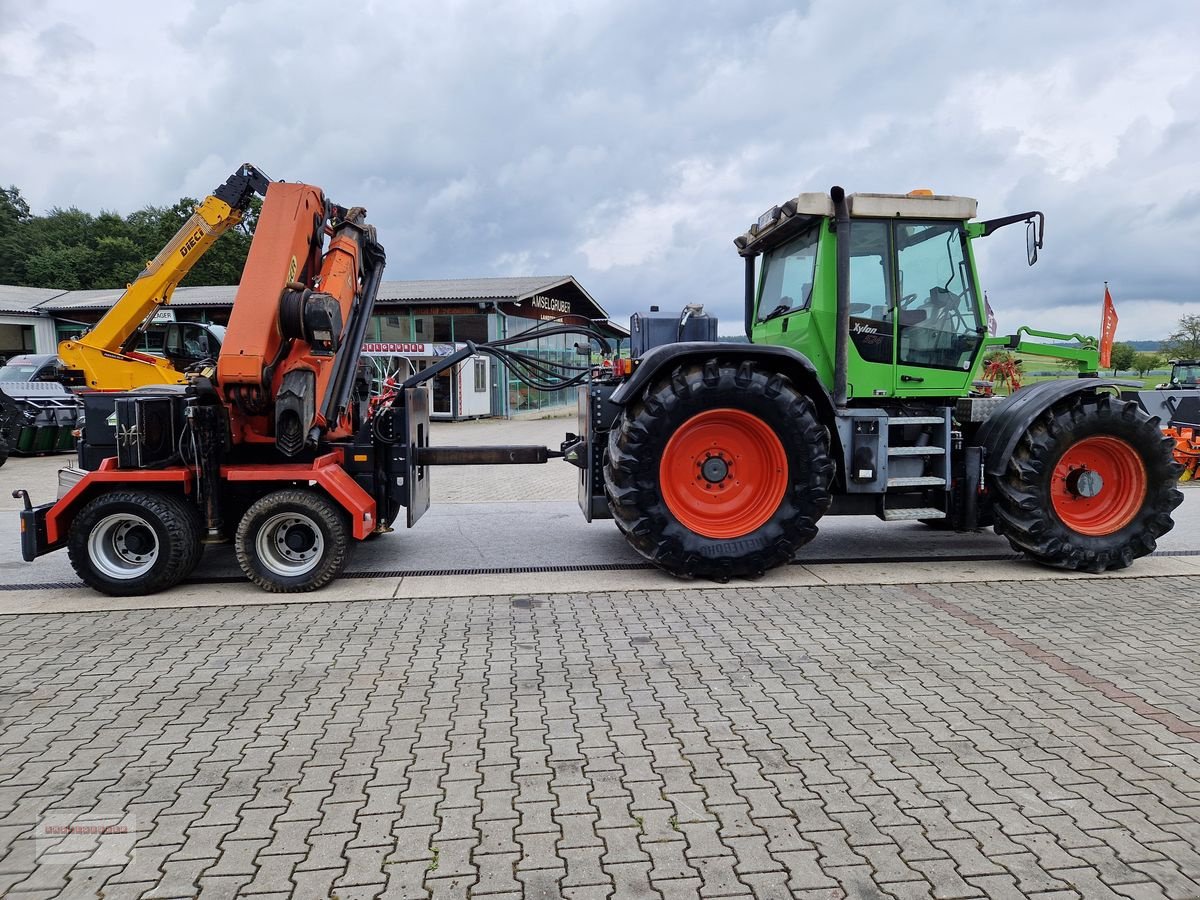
x,y
293,540
720,471
1090,485
129,543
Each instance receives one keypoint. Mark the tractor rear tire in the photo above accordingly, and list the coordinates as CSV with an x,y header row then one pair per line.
x,y
133,543
1090,485
720,471
293,540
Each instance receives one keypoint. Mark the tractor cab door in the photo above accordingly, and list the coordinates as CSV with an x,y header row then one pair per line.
x,y
872,309
939,329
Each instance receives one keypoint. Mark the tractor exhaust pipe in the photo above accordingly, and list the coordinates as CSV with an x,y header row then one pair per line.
x,y
841,218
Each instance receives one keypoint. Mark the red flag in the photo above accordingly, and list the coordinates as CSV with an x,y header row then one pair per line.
x,y
1108,329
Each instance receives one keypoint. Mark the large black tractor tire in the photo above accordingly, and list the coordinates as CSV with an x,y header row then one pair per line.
x,y
719,430
1090,486
293,540
132,543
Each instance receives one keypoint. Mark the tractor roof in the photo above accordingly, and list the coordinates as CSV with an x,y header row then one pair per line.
x,y
782,222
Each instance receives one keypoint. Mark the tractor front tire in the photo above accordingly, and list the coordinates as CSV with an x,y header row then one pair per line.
x,y
133,543
1090,485
720,471
293,540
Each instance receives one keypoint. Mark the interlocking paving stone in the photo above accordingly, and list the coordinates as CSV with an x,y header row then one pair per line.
x,y
954,740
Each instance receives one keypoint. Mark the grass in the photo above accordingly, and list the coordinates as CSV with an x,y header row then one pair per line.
x,y
1148,382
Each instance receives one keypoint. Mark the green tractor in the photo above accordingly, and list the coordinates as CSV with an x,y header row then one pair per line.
x,y
860,393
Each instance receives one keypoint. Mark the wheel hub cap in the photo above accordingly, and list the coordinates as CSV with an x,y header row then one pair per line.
x,y
1084,483
714,469
298,539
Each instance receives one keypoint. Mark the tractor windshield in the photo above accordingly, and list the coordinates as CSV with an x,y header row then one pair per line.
x,y
787,277
939,316
1187,375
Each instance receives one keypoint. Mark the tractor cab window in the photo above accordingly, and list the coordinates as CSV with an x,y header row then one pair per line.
x,y
1189,376
938,314
188,342
787,278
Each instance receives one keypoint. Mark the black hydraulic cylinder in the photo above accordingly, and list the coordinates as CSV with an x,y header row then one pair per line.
x,y
337,394
841,349
513,454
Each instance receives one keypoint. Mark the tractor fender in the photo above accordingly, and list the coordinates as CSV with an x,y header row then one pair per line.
x,y
1000,433
660,361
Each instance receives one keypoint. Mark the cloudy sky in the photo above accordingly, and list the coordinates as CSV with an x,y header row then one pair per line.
x,y
627,143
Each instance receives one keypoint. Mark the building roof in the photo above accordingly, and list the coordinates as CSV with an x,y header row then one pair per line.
x,y
517,290
66,301
448,290
24,300
514,289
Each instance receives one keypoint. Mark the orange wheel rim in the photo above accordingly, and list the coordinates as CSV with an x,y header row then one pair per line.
x,y
723,473
1098,485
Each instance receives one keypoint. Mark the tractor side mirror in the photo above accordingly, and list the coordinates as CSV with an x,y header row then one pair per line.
x,y
1031,241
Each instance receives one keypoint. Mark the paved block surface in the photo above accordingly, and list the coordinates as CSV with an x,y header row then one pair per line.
x,y
947,740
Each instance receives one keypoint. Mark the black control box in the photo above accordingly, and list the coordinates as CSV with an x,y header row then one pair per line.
x,y
140,428
653,329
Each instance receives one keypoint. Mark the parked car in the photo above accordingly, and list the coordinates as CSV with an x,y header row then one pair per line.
x,y
32,367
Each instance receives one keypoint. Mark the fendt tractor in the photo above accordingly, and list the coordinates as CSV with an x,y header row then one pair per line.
x,y
858,394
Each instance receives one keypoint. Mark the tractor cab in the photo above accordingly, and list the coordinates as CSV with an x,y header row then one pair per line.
x,y
1185,375
914,314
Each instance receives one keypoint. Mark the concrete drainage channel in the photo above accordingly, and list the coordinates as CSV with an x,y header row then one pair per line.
x,y
600,567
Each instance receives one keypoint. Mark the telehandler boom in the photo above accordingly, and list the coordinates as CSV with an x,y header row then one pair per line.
x,y
105,357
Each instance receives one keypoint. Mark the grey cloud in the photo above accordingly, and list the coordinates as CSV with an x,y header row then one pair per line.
x,y
627,143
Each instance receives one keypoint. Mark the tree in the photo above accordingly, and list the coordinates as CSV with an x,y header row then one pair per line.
x,y
1122,356
1145,362
75,250
1184,341
14,215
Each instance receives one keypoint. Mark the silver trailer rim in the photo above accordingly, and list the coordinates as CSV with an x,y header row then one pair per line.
x,y
289,544
123,546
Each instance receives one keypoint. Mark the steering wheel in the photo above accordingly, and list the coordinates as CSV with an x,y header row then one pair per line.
x,y
906,300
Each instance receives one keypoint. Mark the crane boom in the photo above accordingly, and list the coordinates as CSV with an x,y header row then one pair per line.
x,y
105,354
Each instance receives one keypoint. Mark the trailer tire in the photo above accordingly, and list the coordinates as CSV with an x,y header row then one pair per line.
x,y
132,543
1090,485
664,488
293,540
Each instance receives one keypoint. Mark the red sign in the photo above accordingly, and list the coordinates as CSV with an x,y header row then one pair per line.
x,y
393,347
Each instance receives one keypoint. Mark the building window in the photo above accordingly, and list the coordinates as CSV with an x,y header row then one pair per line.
x,y
481,378
554,349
